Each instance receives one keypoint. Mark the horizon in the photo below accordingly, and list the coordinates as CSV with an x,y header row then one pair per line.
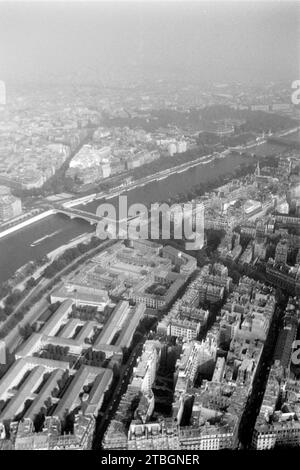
x,y
251,41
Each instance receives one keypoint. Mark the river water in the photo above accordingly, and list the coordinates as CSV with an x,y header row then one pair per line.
x,y
16,249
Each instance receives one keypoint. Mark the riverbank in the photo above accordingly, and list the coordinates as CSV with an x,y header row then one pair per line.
x,y
157,176
25,223
115,192
29,243
49,258
85,238
26,310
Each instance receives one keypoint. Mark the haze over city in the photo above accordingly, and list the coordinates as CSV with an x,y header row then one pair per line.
x,y
208,41
149,229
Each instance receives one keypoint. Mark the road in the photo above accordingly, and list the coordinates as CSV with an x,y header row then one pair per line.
x,y
259,382
125,376
158,176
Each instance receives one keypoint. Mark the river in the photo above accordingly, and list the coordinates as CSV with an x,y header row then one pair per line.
x,y
16,249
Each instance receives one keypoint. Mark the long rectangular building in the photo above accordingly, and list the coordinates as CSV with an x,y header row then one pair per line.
x,y
114,323
124,321
84,376
16,372
26,391
57,319
44,394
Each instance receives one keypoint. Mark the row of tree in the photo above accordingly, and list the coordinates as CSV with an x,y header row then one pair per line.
x,y
69,256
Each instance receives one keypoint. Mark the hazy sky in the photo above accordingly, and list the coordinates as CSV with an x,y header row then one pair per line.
x,y
217,41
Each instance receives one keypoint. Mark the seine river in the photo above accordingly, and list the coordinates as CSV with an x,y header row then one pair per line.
x,y
29,243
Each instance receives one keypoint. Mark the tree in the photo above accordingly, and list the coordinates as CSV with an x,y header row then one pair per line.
x,y
14,297
54,307
31,283
26,331
2,315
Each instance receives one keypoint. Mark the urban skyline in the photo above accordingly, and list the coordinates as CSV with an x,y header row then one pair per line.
x,y
149,229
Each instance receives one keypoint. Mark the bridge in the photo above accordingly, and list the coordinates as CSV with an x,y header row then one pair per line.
x,y
79,214
93,219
